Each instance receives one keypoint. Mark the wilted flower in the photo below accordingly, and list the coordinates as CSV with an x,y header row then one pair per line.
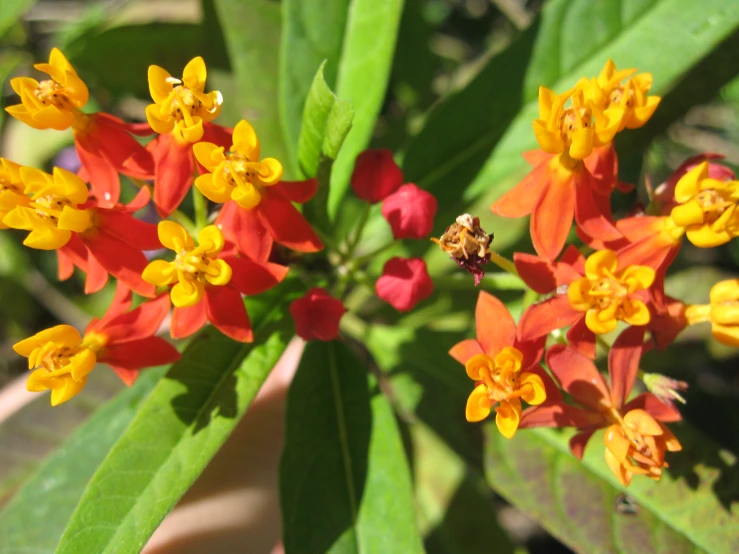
x,y
467,244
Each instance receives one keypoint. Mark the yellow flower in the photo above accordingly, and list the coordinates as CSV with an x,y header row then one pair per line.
x,y
722,312
628,102
637,444
573,130
54,103
52,214
500,382
11,189
237,174
181,106
706,207
61,360
193,266
606,294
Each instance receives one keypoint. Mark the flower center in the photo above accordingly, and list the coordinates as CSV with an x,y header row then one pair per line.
x,y
713,204
51,93
621,93
502,381
12,187
50,207
194,264
185,105
239,170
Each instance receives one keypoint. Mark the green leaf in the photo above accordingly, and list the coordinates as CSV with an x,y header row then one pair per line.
x,y
12,12
312,36
326,122
252,34
364,71
36,430
176,432
344,480
692,508
36,517
473,141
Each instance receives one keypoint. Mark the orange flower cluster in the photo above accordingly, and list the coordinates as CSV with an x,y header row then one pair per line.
x,y
619,285
92,231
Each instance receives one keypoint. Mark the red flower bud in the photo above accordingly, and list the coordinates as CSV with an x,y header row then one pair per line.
x,y
404,283
317,315
410,212
376,175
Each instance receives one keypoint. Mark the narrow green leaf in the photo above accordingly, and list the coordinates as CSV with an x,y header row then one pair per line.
x,y
36,517
364,71
252,35
176,432
312,36
692,508
477,135
326,122
344,480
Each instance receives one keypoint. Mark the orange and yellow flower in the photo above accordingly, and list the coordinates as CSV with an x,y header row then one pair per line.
x,y
722,312
11,189
61,358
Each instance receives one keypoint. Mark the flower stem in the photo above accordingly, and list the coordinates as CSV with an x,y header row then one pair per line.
x,y
503,263
361,260
354,240
200,206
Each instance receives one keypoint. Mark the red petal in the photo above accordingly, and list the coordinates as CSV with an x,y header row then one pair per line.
x,y
602,164
245,229
554,394
126,228
286,224
104,181
297,191
495,326
376,175
226,311
536,157
139,323
97,275
317,315
71,255
410,211
404,283
655,407
579,442
128,376
582,339
623,363
252,278
122,300
139,129
521,199
578,376
551,218
121,260
532,351
65,265
538,273
573,258
464,350
186,321
135,354
558,415
218,134
542,318
174,173
592,218
120,149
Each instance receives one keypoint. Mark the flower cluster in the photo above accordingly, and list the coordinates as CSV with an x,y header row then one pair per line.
x,y
92,231
617,287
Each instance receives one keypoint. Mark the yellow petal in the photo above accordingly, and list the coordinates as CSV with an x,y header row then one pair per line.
x,y
704,236
636,312
599,325
187,293
577,293
208,185
60,335
477,366
532,384
688,185
725,291
192,133
51,117
637,277
726,334
70,186
161,124
643,423
247,197
641,114
549,141
616,443
75,89
270,171
75,220
478,404
211,238
160,83
58,60
38,381
622,474
159,273
68,389
173,236
508,416
208,155
82,363
47,238
689,213
245,140
194,74
600,263
509,355
224,273
582,143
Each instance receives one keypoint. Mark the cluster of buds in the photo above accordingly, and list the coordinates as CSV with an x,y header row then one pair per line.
x,y
92,231
619,285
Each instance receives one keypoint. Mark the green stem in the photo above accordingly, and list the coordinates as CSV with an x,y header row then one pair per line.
x,y
490,282
354,241
179,217
361,260
200,206
503,263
